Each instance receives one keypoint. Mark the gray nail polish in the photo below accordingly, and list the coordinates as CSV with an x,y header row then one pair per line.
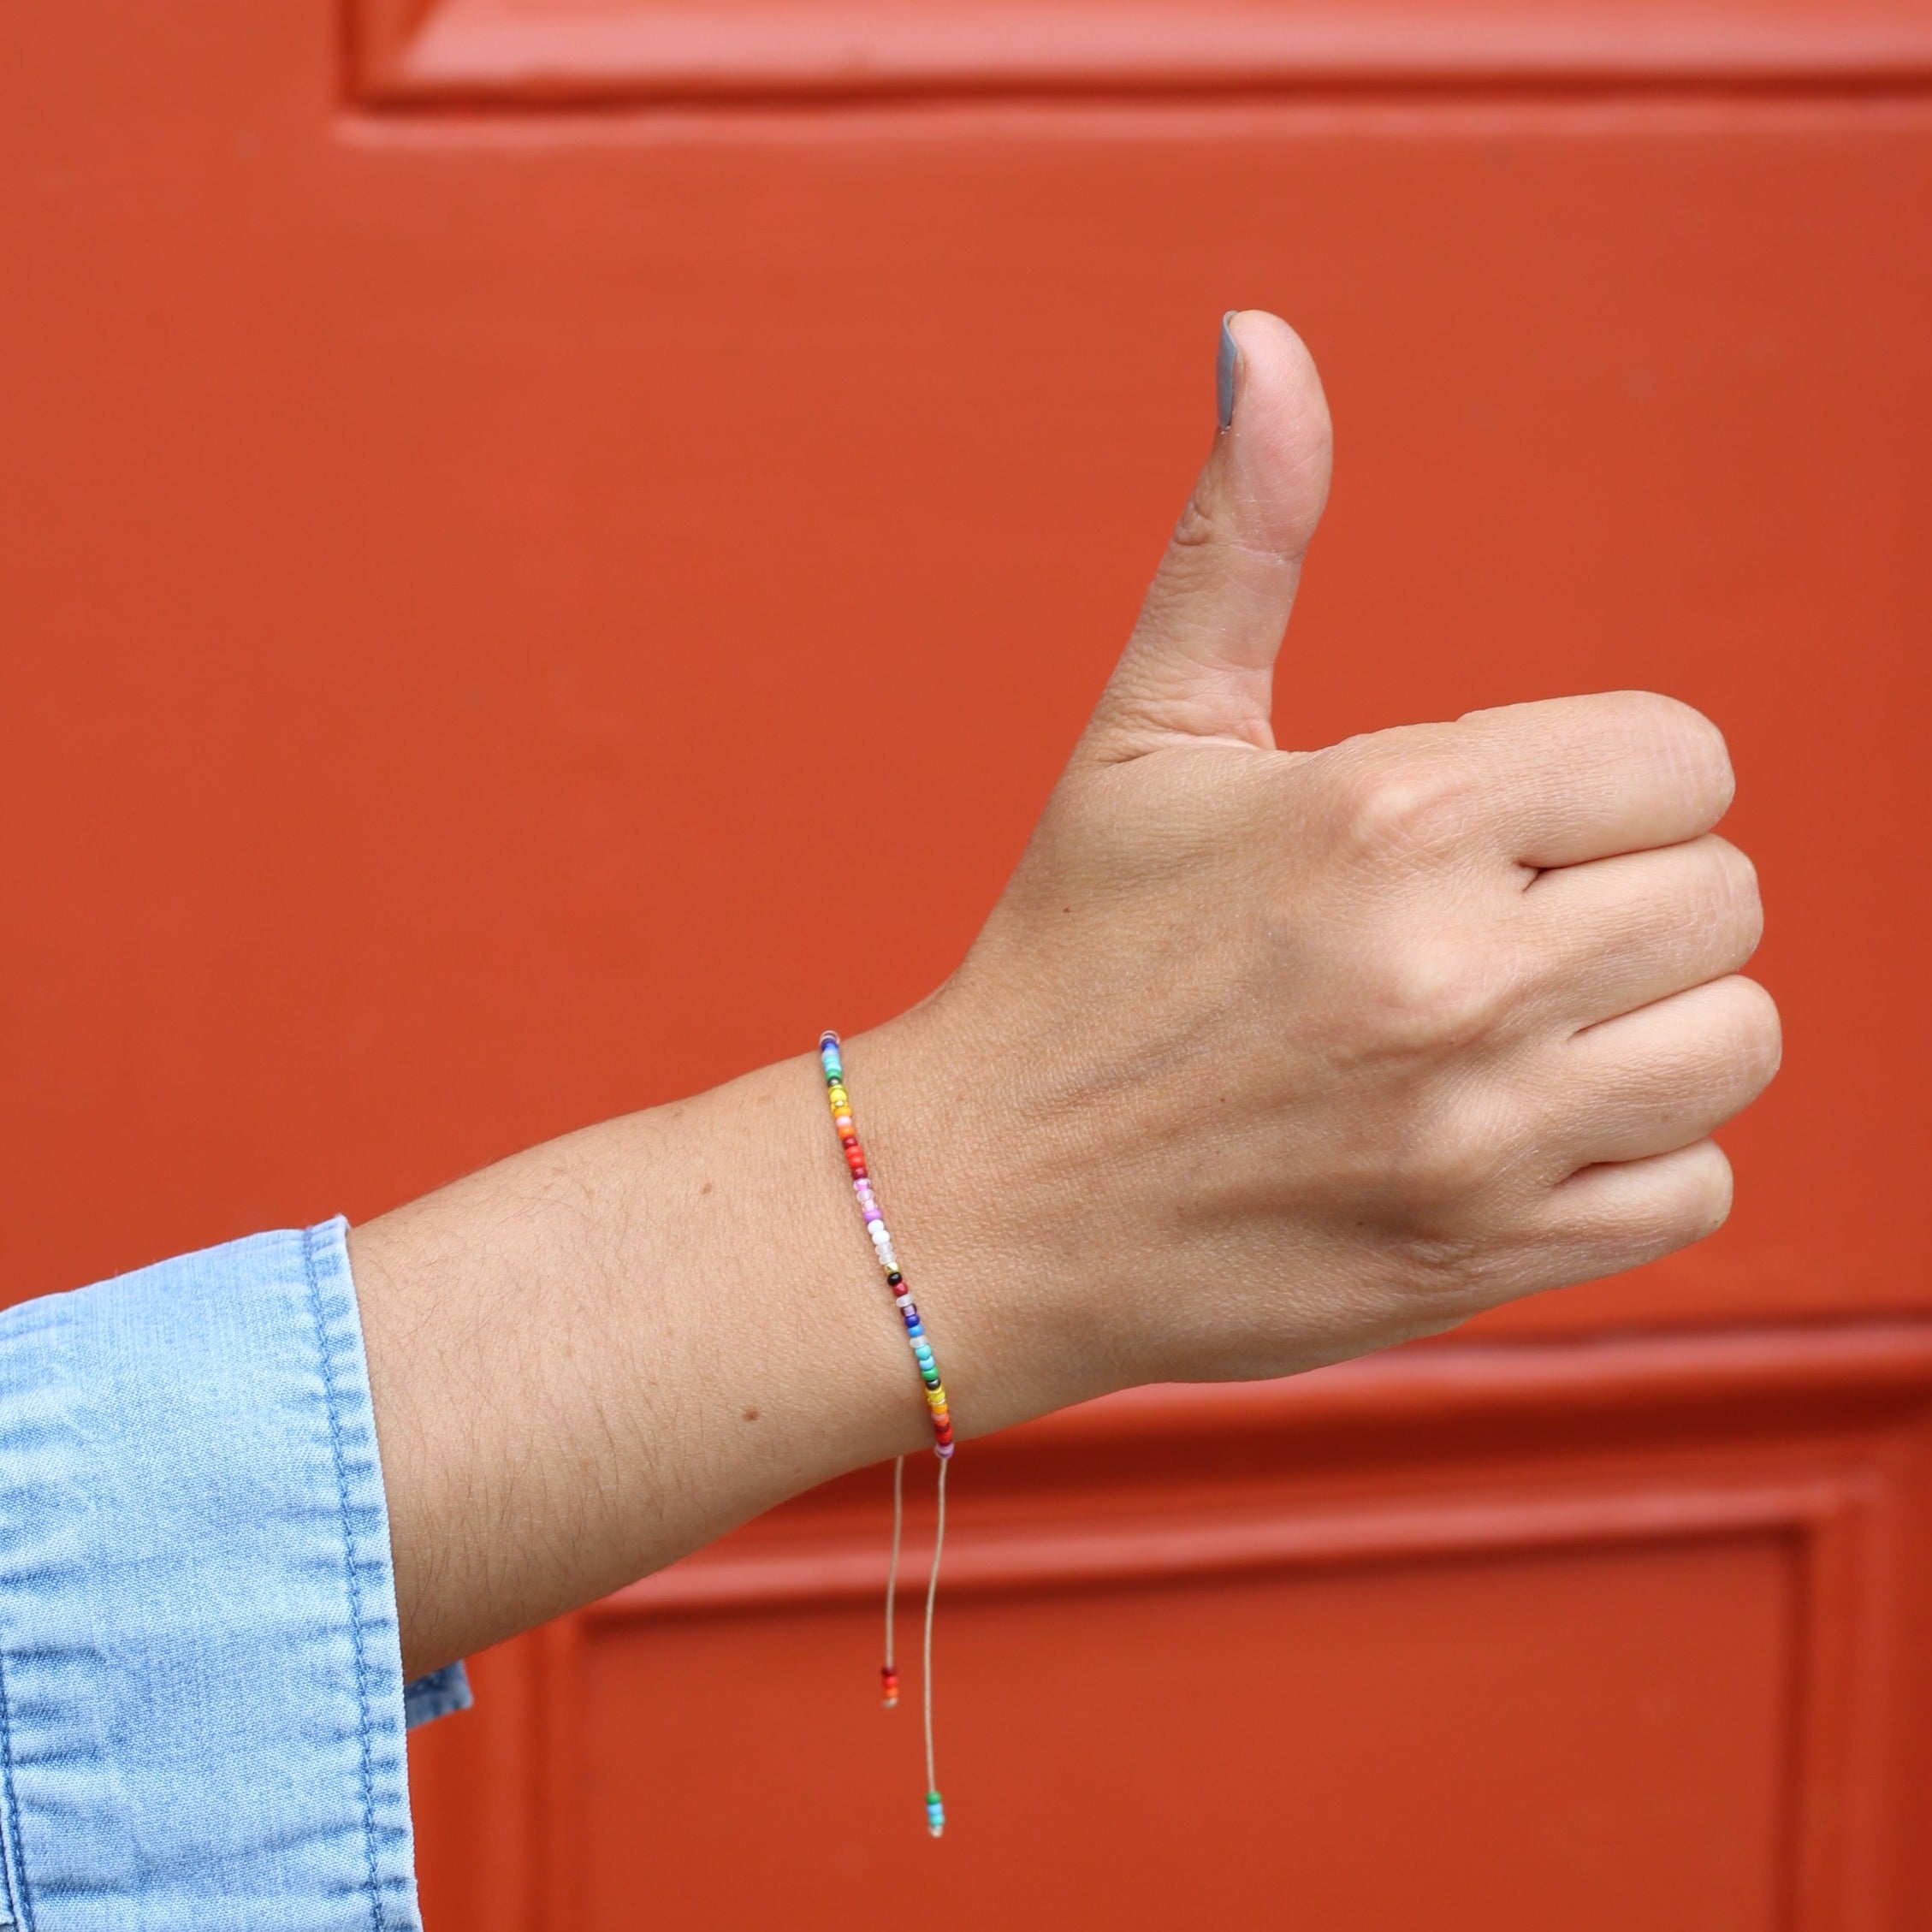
x,y
1224,371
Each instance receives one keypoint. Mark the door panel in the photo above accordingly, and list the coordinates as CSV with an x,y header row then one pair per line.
x,y
455,510
1578,1634
545,53
1227,1751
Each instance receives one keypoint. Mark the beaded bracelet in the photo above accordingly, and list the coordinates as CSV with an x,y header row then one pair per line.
x,y
833,1065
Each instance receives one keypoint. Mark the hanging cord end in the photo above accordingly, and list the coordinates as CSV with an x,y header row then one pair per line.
x,y
935,1814
889,1685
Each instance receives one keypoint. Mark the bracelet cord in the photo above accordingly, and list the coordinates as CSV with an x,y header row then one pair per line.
x,y
888,1676
831,1060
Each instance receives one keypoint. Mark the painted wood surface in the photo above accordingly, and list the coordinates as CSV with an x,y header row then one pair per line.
x,y
462,458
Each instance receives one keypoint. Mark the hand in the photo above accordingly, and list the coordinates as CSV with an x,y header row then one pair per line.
x,y
1268,1058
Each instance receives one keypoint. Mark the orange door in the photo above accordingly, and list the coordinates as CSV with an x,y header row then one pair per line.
x,y
463,461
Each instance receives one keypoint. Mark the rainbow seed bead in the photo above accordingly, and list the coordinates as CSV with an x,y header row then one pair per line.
x,y
833,1062
935,1814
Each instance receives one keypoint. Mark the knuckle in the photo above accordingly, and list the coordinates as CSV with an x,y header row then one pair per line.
x,y
1760,1032
1742,892
1403,810
1728,907
1688,747
1466,1153
1455,1275
1197,529
1710,1194
1435,994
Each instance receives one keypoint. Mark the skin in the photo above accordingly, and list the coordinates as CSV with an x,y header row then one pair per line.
x,y
1303,1053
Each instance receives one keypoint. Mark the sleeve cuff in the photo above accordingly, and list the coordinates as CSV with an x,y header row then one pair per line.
x,y
437,1695
202,1708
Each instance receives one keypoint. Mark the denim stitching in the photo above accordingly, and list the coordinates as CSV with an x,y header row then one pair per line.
x,y
22,1908
376,1916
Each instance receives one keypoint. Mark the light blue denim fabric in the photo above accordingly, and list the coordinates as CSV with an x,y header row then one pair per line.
x,y
201,1699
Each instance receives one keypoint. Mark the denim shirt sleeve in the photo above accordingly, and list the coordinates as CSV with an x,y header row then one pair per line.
x,y
202,1708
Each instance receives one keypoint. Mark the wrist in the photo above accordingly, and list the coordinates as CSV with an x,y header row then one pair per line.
x,y
971,1200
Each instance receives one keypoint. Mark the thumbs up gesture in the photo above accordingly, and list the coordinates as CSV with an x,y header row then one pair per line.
x,y
1265,1058
1269,1057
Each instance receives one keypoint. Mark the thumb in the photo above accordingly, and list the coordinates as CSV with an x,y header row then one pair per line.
x,y
1200,663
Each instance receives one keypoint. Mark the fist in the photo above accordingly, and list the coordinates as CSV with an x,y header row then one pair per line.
x,y
1270,1057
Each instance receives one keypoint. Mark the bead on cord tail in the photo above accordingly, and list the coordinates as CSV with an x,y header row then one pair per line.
x,y
831,1060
